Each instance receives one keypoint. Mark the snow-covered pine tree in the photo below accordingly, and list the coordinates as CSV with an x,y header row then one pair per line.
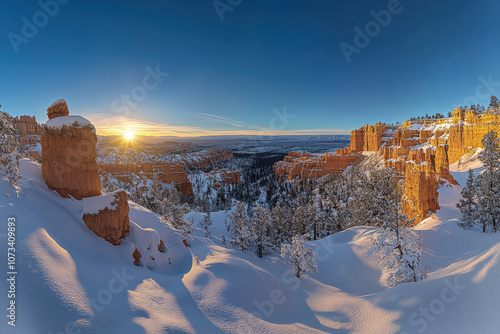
x,y
299,257
9,152
155,196
239,227
281,218
304,219
488,183
467,204
109,183
260,230
205,224
336,195
178,220
373,200
397,243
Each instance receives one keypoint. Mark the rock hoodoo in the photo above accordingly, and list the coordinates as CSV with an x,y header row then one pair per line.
x,y
69,167
69,156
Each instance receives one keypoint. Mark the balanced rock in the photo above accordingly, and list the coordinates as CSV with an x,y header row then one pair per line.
x,y
107,215
57,109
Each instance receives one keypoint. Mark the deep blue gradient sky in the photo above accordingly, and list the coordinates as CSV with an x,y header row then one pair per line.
x,y
229,75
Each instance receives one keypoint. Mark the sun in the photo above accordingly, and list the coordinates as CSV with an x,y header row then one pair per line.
x,y
128,135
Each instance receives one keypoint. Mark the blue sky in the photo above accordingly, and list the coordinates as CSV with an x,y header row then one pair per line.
x,y
236,75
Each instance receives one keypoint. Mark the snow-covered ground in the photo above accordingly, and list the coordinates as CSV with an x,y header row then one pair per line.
x,y
71,281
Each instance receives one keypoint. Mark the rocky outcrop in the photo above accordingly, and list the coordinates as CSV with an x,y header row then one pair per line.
x,y
420,193
367,138
220,177
69,157
161,246
305,165
28,129
174,169
463,138
107,216
136,255
174,173
58,109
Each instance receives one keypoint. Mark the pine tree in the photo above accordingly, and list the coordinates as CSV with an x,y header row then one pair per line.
x,y
303,219
494,102
281,219
155,196
399,246
205,223
9,152
337,192
373,201
488,183
178,220
467,204
239,227
260,229
299,257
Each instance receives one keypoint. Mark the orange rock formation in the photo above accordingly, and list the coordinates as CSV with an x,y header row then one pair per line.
x,y
58,109
69,167
420,193
419,151
224,176
69,159
110,224
305,165
175,170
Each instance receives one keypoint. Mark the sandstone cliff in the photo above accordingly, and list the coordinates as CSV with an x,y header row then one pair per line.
x,y
419,151
305,165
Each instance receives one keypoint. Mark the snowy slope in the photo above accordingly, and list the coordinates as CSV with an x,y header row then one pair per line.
x,y
71,281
